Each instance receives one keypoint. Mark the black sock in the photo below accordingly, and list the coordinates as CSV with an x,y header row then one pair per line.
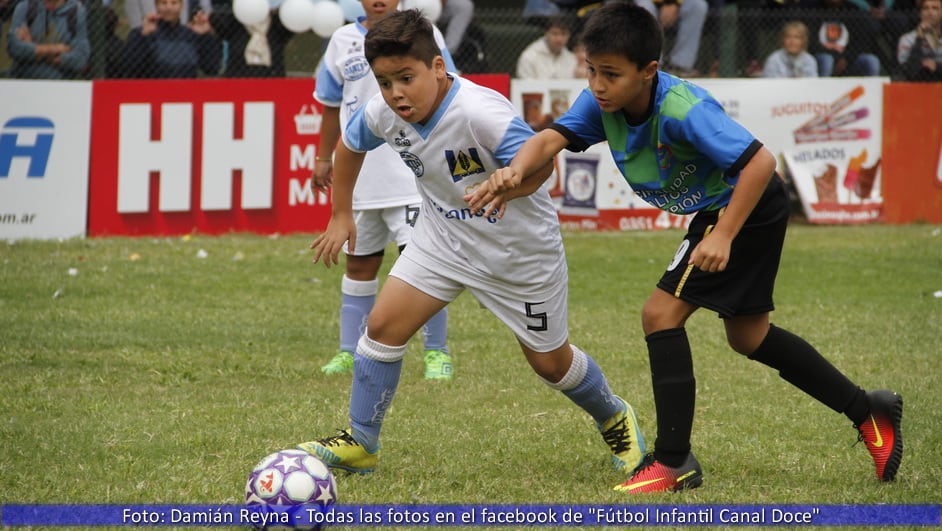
x,y
674,394
804,367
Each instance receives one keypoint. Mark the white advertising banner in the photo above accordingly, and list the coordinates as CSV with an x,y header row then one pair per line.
x,y
44,147
822,128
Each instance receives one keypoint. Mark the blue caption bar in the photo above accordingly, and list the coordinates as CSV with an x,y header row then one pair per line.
x,y
477,515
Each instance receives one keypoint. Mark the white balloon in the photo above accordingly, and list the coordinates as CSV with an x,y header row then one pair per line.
x,y
297,15
328,16
250,11
432,9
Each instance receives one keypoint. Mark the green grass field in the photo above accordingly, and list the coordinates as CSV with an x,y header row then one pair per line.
x,y
154,376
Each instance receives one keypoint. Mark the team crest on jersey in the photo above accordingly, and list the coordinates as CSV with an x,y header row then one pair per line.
x,y
414,163
462,164
355,68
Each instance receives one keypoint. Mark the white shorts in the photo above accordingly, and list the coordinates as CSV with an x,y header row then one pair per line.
x,y
542,325
377,228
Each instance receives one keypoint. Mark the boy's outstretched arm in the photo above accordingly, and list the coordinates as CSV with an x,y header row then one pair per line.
x,y
341,227
712,253
533,156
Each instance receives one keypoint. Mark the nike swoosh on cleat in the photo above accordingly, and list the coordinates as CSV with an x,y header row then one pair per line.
x,y
643,484
879,442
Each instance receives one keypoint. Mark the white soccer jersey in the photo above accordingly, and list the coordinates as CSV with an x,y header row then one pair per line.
x,y
474,132
344,80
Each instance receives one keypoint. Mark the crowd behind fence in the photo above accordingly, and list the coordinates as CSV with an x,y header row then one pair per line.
x,y
844,37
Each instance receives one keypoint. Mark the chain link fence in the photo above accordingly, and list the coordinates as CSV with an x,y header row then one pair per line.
x,y
736,39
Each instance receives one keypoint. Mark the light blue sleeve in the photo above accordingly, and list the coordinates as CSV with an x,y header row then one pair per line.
x,y
584,119
517,133
327,89
357,135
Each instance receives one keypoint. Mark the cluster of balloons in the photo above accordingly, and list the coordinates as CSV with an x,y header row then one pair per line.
x,y
321,16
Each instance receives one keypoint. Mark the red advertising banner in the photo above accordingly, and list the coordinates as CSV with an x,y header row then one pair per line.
x,y
211,156
912,153
172,157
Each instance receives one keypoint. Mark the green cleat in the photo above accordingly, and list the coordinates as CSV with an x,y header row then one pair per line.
x,y
438,365
623,436
343,452
339,364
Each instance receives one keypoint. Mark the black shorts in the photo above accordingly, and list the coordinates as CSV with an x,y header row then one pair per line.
x,y
745,286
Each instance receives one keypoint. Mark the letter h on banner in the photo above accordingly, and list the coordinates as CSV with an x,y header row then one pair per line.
x,y
222,154
172,156
138,155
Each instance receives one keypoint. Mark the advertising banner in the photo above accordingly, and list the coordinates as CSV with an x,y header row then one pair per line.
x,y
819,128
171,157
212,156
912,153
44,142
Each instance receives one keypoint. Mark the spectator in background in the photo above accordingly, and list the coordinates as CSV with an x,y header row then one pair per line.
x,y
136,10
841,42
688,17
548,57
457,15
255,50
48,39
163,47
792,59
920,51
757,18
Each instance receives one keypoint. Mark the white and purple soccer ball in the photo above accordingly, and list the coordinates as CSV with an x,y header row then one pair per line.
x,y
290,479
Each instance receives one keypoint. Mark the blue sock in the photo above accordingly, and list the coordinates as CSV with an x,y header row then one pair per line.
x,y
435,331
376,369
357,300
585,385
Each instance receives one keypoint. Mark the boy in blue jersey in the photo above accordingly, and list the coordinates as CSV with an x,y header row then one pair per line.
x,y
452,133
680,152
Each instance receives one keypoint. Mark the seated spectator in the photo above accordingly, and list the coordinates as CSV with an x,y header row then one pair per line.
x,y
688,17
136,10
756,18
842,43
920,51
256,50
164,48
792,59
48,39
548,57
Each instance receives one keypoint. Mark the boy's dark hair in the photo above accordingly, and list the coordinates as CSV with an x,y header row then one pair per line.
x,y
402,34
624,29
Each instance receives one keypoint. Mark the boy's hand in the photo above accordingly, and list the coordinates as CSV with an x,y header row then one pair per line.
x,y
322,177
328,245
712,253
483,198
504,180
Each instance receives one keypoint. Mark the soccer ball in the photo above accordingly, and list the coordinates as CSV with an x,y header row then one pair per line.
x,y
284,482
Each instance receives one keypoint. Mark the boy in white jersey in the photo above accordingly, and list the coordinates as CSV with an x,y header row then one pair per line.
x,y
385,200
452,134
